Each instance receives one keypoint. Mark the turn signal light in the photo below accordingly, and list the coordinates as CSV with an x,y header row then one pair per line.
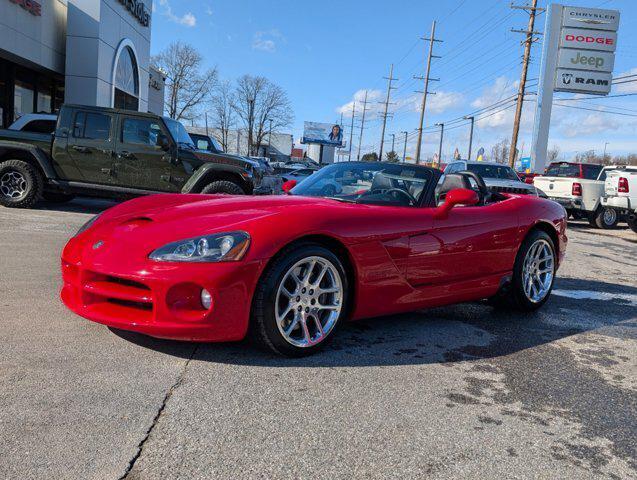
x,y
577,190
623,185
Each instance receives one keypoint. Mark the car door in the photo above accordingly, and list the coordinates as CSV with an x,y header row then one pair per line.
x,y
143,159
469,243
90,147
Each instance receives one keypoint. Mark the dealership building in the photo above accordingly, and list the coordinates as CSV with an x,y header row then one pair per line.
x,y
90,52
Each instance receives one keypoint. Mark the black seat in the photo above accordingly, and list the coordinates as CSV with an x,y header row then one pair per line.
x,y
451,182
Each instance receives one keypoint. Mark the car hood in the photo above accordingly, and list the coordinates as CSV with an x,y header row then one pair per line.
x,y
499,182
135,228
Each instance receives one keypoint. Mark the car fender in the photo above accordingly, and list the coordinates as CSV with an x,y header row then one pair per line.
x,y
32,153
208,171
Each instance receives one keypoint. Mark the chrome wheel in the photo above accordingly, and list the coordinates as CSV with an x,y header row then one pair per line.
x,y
13,184
309,301
609,216
538,271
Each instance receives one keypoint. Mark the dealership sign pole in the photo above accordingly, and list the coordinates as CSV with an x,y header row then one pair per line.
x,y
578,56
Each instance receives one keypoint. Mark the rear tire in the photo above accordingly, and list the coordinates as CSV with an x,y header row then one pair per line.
x,y
605,218
306,286
224,187
21,184
632,223
533,274
57,197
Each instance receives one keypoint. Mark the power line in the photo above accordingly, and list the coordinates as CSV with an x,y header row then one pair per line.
x,y
390,79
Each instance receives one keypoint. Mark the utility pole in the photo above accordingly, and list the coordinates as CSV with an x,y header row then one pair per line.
x,y
351,131
529,32
426,79
360,138
470,135
238,142
405,147
206,116
442,132
605,145
389,79
393,141
270,136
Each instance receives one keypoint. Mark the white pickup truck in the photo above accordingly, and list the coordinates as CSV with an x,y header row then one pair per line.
x,y
620,194
579,187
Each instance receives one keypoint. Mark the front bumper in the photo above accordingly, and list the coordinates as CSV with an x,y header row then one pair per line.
x,y
162,299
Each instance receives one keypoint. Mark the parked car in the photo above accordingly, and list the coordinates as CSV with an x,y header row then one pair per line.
x,y
620,193
291,268
298,174
36,123
498,177
527,177
106,152
579,189
270,183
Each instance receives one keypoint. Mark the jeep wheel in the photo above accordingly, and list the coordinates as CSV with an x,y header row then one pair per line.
x,y
606,218
223,186
632,222
57,197
20,184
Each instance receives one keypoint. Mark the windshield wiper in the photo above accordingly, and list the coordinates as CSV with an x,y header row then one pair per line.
x,y
186,144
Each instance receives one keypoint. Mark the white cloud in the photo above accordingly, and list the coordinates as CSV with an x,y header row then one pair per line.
x,y
209,10
626,87
266,40
187,19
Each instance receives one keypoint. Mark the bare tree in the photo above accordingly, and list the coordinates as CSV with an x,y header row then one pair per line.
x,y
188,88
262,107
553,153
500,151
223,112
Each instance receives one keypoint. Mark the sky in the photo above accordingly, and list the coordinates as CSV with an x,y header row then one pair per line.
x,y
326,55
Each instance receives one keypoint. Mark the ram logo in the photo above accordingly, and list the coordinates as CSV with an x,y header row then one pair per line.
x,y
566,78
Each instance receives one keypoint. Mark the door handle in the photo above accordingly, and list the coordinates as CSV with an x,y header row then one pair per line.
x,y
81,149
128,155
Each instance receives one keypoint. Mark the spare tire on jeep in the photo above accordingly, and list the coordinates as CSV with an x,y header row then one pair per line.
x,y
223,186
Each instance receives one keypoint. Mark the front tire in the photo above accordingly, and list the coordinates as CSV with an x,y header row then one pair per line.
x,y
632,223
300,300
533,272
224,187
605,218
21,184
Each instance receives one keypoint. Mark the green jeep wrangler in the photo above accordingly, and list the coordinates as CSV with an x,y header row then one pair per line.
x,y
105,152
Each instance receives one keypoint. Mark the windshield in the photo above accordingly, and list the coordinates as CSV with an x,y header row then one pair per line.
x,y
362,182
494,171
179,133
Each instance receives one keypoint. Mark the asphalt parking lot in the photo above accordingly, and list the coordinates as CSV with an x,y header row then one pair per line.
x,y
456,392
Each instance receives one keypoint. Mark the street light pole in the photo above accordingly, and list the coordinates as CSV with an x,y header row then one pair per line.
x,y
470,135
442,132
405,147
605,145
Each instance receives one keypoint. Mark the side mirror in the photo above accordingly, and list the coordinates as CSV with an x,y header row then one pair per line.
x,y
457,196
288,186
163,142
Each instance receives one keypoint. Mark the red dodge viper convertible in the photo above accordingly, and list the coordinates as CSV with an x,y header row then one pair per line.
x,y
353,240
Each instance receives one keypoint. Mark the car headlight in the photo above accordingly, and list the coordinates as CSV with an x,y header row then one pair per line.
x,y
88,224
220,247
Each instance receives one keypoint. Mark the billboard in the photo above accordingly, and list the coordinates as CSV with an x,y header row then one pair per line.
x,y
586,60
596,19
588,39
582,81
323,134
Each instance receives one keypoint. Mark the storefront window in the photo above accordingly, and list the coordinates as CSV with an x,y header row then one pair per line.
x,y
126,81
44,102
22,99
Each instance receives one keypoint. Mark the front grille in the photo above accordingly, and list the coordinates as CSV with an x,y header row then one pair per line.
x,y
115,297
521,191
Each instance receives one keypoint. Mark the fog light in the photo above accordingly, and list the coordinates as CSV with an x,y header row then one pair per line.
x,y
206,299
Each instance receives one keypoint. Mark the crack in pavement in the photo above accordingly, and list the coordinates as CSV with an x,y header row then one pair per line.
x,y
169,393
